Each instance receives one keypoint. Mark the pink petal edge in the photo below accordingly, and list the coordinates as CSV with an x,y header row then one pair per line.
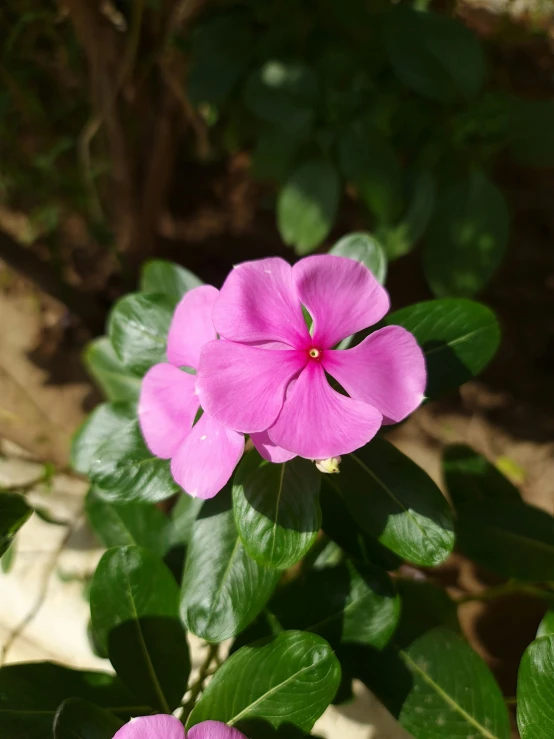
x,y
317,422
268,450
341,295
214,730
152,727
191,326
167,408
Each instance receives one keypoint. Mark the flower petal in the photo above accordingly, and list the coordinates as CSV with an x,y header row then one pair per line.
x,y
317,422
167,408
258,302
341,295
191,326
386,370
243,387
268,450
214,730
152,727
206,459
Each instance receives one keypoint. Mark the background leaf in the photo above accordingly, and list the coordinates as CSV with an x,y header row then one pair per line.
x,y
134,604
105,422
138,326
14,512
395,501
276,508
290,679
79,719
535,687
531,133
458,337
128,472
364,248
107,370
467,237
546,626
308,204
433,55
31,693
167,278
223,588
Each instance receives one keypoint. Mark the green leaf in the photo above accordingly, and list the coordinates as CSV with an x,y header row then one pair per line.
x,y
8,558
546,626
138,326
439,687
283,93
274,154
433,55
14,512
183,516
535,687
167,278
531,133
116,525
394,500
79,719
125,471
276,508
368,161
223,588
290,679
471,479
423,607
467,237
344,604
458,337
364,248
134,604
307,205
108,372
105,422
31,693
401,238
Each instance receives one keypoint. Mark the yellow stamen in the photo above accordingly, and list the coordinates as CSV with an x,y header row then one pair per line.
x,y
314,353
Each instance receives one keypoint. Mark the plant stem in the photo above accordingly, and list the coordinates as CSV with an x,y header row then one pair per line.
x,y
198,686
512,587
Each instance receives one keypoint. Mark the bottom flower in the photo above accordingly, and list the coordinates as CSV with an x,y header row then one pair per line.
x,y
168,727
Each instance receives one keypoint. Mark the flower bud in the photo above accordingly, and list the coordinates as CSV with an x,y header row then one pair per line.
x,y
329,466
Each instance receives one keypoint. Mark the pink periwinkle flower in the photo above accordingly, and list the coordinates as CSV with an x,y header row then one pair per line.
x,y
168,727
269,378
203,454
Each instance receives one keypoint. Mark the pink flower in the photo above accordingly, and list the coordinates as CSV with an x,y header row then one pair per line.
x,y
203,454
168,727
269,377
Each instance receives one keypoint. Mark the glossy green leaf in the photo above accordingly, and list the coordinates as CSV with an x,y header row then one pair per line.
x,y
14,512
401,238
223,588
364,248
183,516
546,626
531,133
307,205
138,326
117,525
134,605
459,338
128,472
394,500
283,93
79,719
31,693
433,55
344,604
105,422
535,687
276,508
289,679
368,161
467,237
107,370
167,278
471,479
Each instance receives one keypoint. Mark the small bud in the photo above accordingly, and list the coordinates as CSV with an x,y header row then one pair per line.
x,y
329,466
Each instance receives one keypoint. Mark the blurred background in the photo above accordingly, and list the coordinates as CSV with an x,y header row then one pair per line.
x,y
208,132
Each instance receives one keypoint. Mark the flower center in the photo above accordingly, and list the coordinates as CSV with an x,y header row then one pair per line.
x,y
314,353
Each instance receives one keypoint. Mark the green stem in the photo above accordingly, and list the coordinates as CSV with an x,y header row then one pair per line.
x,y
198,686
512,587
